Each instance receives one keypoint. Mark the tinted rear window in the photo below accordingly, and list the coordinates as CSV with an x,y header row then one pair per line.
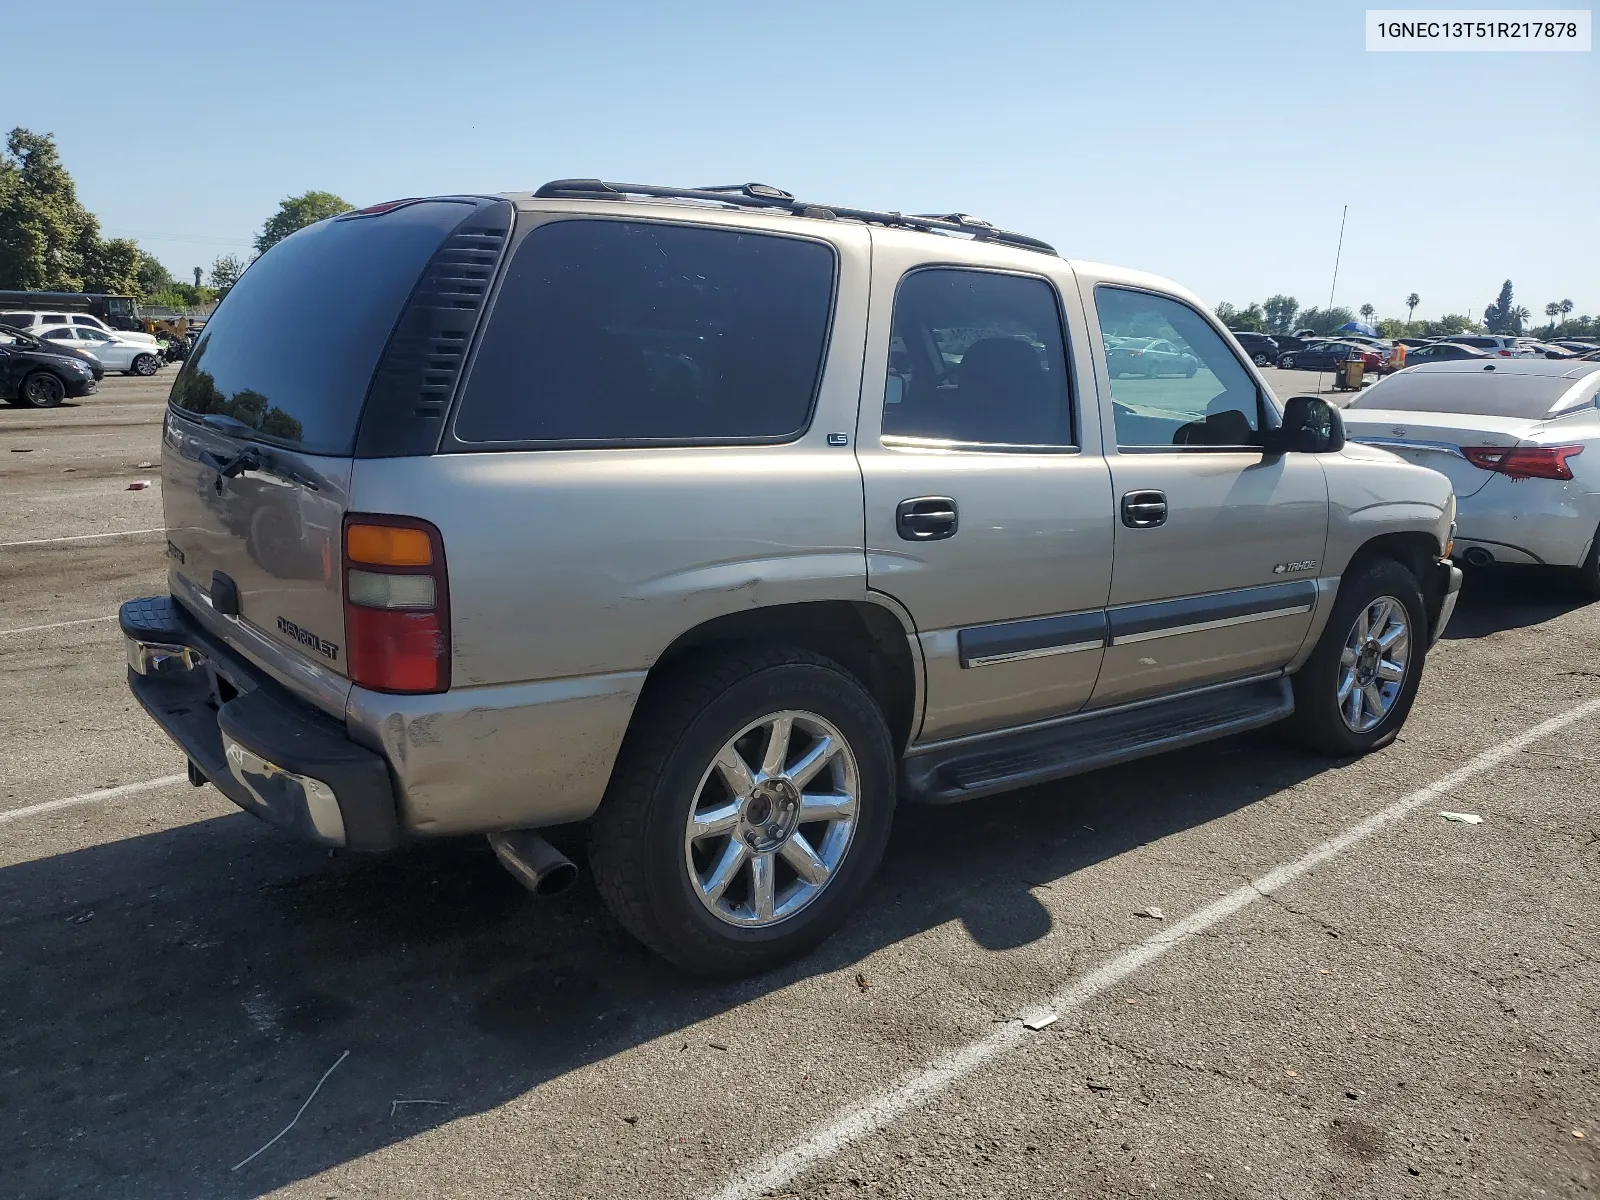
x,y
291,351
1474,393
622,331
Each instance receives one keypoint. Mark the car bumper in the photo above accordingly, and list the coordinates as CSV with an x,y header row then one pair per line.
x,y
1546,522
270,754
83,387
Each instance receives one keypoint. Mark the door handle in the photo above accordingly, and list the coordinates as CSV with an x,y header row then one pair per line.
x,y
926,518
1144,510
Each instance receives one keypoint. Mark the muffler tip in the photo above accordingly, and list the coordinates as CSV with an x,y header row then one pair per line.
x,y
534,862
1478,557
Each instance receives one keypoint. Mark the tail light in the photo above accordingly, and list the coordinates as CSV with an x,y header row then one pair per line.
x,y
1505,354
1135,353
1524,462
396,604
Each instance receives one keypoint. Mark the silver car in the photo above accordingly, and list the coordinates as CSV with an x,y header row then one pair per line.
x,y
720,522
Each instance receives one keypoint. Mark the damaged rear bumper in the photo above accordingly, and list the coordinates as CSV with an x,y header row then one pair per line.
x,y
272,755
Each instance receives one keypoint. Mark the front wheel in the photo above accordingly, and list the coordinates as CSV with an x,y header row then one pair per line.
x,y
748,810
1263,360
1355,691
1287,362
42,390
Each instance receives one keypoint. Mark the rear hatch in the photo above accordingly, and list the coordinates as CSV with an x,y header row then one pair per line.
x,y
263,428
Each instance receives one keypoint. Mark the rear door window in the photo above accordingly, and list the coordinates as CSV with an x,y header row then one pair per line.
x,y
295,376
617,332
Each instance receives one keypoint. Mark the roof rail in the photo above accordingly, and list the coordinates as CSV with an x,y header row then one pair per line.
x,y
765,196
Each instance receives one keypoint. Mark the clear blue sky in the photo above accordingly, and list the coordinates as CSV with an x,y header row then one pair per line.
x,y
1211,143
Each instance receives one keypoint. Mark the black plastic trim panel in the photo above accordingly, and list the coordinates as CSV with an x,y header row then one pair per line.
x,y
1136,619
416,379
1024,637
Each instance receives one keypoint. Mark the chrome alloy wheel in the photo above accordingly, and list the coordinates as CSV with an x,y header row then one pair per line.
x,y
772,819
1372,668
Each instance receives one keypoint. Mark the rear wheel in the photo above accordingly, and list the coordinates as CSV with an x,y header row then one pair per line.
x,y
42,390
1287,362
145,364
1151,370
749,808
1355,691
1263,359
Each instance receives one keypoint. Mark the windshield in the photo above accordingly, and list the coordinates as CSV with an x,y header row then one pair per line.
x,y
299,378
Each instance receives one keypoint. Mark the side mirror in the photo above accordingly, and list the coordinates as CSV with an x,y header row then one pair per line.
x,y
1310,426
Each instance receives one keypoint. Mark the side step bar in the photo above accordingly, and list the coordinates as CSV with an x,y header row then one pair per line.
x,y
1092,741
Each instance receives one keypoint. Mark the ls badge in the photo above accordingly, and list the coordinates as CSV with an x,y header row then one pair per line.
x,y
1305,564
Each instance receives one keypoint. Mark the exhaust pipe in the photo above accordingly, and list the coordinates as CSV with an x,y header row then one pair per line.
x,y
537,865
1478,557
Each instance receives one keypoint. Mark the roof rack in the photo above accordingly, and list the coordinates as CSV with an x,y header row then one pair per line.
x,y
765,196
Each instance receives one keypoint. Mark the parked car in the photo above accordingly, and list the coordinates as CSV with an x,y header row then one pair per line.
x,y
1519,440
1327,355
1412,343
1288,342
115,351
1151,358
1443,352
37,374
1577,347
1263,350
698,553
32,319
1544,349
1501,347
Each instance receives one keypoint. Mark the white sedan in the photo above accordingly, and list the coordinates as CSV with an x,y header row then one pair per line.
x,y
1519,439
115,352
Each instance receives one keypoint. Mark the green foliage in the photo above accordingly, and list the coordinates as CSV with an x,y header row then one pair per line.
x,y
1325,320
1394,327
1226,313
1367,312
225,272
182,295
153,277
112,266
1448,324
1411,307
1500,316
296,212
1281,311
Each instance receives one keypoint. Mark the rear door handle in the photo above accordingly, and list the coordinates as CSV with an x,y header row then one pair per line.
x,y
926,518
1144,510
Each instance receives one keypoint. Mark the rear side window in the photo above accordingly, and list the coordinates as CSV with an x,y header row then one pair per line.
x,y
639,331
291,351
976,357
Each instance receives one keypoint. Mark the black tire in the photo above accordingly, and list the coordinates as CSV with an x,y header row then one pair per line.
x,y
42,390
637,838
1286,362
1152,369
1263,359
1318,723
146,365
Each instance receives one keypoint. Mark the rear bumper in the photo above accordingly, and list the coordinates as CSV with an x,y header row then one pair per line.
x,y
1539,521
270,754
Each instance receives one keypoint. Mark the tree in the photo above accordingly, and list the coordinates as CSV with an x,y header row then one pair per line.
x,y
226,270
1367,312
1411,305
43,228
1251,319
296,212
1566,307
1448,324
1226,313
1498,315
1518,318
153,277
112,266
1281,312
1553,310
1325,320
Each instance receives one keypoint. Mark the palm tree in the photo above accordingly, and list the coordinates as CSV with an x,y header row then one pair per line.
x,y
1366,312
1518,317
1566,307
1411,305
1553,310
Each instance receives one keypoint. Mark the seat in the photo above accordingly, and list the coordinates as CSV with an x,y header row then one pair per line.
x,y
1004,394
1224,425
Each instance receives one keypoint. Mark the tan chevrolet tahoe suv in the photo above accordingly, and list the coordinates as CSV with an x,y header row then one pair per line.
x,y
719,521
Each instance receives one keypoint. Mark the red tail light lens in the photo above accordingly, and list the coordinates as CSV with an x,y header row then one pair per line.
x,y
1524,462
396,604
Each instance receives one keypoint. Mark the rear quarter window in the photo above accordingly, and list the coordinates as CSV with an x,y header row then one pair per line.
x,y
617,332
291,351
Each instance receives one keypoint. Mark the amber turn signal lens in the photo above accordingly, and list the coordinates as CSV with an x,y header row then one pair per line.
x,y
387,546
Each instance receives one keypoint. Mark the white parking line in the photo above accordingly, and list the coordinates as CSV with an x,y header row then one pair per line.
x,y
876,1112
78,537
57,625
111,793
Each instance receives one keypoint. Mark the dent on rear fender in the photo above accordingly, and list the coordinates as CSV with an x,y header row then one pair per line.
x,y
481,759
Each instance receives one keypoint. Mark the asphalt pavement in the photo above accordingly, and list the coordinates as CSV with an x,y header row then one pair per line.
x,y
1344,995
